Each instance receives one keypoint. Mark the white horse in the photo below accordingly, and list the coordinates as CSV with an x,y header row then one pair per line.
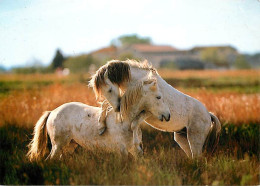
x,y
74,123
186,112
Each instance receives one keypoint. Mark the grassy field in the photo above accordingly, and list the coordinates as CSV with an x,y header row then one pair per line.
x,y
232,95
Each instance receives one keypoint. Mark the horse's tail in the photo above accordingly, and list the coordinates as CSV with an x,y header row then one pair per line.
x,y
37,146
214,133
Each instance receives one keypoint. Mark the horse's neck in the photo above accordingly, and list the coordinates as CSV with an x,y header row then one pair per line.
x,y
138,73
169,92
165,88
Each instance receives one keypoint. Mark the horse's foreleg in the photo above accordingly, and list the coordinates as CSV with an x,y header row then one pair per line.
x,y
137,142
102,123
137,134
138,119
182,141
102,118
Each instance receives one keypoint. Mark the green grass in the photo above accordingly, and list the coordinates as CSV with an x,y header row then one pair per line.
x,y
239,85
223,84
35,82
7,86
235,161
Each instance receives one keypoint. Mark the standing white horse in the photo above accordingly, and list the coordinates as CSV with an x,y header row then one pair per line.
x,y
186,112
74,123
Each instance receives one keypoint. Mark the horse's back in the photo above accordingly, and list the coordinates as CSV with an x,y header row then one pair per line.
x,y
69,115
72,109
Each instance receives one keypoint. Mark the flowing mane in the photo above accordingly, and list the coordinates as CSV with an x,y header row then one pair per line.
x,y
132,95
118,72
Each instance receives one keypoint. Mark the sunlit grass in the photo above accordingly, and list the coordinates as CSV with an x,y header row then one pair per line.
x,y
26,106
23,98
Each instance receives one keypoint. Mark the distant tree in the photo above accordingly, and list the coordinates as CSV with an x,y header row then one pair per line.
x,y
80,64
241,63
58,60
220,56
212,55
130,39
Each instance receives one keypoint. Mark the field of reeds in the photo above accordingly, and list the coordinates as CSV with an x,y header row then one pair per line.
x,y
234,96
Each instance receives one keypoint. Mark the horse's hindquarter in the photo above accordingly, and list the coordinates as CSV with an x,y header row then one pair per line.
x,y
72,117
88,135
79,122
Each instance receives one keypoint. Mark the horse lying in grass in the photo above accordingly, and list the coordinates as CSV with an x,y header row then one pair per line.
x,y
186,112
74,123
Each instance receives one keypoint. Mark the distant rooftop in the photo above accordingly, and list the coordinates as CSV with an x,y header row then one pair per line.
x,y
110,49
153,48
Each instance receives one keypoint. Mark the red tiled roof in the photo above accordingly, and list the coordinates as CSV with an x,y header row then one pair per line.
x,y
153,48
110,49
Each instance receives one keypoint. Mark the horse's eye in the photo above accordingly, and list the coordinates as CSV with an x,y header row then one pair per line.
x,y
158,97
110,90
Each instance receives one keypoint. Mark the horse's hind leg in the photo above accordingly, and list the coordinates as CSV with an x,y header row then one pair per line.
x,y
182,141
196,136
55,152
58,146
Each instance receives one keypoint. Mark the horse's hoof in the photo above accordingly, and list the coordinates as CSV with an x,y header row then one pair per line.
x,y
102,130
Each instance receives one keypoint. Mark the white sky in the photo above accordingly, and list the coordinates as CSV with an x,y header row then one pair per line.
x,y
34,29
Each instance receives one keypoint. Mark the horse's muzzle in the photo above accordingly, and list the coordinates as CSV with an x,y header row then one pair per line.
x,y
167,117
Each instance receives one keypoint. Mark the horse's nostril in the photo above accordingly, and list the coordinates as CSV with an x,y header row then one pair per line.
x,y
118,108
161,118
169,117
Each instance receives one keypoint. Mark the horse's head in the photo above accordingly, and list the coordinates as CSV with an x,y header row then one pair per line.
x,y
153,100
107,81
111,92
144,96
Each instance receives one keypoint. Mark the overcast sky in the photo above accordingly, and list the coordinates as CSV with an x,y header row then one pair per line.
x,y
34,29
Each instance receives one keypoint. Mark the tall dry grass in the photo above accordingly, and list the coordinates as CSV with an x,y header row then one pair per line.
x,y
235,161
232,107
24,107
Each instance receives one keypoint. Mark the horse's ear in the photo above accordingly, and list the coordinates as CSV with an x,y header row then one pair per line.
x,y
106,75
107,81
151,83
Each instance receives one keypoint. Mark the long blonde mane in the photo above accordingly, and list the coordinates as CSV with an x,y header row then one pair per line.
x,y
132,95
118,73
